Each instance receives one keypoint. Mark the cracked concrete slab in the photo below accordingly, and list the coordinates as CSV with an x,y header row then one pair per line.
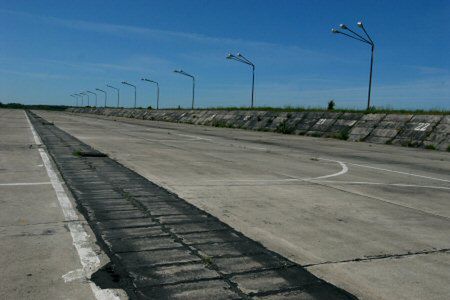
x,y
387,200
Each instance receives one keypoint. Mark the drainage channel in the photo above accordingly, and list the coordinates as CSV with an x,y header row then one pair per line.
x,y
162,247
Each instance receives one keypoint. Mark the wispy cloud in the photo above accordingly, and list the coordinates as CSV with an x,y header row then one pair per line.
x,y
127,30
36,75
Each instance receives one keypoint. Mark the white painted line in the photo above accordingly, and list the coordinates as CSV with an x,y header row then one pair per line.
x,y
344,169
37,139
194,137
341,172
88,258
24,183
399,172
388,184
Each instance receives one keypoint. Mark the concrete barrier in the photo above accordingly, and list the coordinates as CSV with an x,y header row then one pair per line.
x,y
388,128
308,121
364,127
427,131
323,124
341,128
439,138
414,132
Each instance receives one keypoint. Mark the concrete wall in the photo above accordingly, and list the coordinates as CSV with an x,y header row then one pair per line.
x,y
425,131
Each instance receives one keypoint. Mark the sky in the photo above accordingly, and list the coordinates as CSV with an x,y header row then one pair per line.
x,y
51,49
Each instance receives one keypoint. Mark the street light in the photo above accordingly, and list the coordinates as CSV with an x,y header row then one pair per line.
x,y
76,99
85,94
368,40
106,95
118,93
157,90
126,83
95,96
193,83
81,96
240,58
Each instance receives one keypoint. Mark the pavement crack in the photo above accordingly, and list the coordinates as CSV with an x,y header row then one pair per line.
x,y
380,257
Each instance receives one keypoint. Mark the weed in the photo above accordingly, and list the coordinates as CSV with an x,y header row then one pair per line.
x,y
284,128
207,260
77,153
430,147
448,148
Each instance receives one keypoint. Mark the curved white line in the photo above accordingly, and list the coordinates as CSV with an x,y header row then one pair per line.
x,y
341,172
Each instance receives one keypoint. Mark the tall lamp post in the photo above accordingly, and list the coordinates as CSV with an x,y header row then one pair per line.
x,y
126,83
157,90
368,40
76,99
94,95
240,58
81,97
118,93
86,94
106,95
193,84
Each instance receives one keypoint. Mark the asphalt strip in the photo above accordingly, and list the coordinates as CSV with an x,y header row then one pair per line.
x,y
160,246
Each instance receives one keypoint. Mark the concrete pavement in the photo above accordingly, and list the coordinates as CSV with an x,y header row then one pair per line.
x,y
39,259
372,219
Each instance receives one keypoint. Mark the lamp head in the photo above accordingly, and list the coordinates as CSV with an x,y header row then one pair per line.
x,y
229,56
360,24
343,26
334,30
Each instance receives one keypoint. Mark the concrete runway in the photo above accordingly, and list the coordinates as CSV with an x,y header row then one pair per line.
x,y
46,251
371,219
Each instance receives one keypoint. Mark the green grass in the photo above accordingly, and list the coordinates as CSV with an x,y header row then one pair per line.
x,y
430,147
448,149
306,109
36,107
77,153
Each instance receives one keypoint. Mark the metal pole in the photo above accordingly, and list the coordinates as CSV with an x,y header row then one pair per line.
x,y
134,97
253,85
157,95
370,77
193,92
104,92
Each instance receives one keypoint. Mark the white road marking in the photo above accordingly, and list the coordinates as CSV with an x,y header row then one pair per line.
x,y
88,258
344,169
24,183
399,172
194,137
389,184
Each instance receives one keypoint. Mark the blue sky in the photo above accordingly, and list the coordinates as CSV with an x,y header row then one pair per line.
x,y
50,49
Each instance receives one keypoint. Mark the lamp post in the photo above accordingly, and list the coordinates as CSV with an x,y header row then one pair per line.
x,y
106,95
94,95
81,96
368,40
118,93
240,58
126,83
86,94
76,99
157,90
193,83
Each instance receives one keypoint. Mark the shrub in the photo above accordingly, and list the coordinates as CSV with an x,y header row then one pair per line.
x,y
331,105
